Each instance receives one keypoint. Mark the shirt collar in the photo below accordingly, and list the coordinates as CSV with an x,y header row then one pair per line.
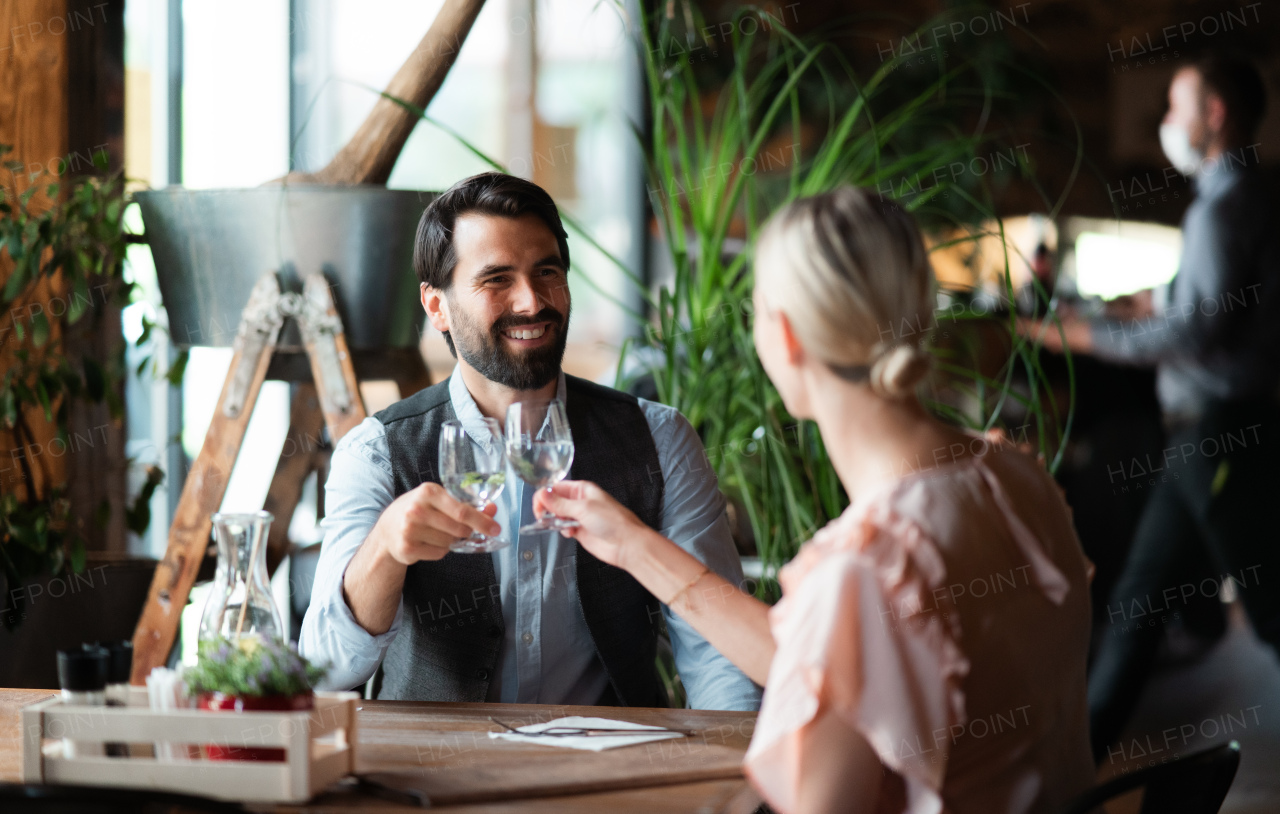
x,y
464,406
1218,174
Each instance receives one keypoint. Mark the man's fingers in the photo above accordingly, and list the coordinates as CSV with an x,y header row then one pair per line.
x,y
455,511
433,545
570,489
425,527
545,503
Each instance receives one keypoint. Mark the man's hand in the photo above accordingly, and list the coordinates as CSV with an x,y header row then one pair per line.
x,y
418,525
423,523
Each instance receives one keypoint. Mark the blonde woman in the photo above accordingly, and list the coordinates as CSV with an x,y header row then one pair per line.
x,y
928,653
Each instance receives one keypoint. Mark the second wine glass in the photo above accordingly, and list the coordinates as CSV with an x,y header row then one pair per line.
x,y
473,473
540,448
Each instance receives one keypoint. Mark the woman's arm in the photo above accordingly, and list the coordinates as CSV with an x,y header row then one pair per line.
x,y
840,772
733,622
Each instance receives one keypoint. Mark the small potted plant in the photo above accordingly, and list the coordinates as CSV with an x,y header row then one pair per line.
x,y
251,673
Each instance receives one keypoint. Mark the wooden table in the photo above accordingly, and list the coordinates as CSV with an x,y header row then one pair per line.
x,y
449,744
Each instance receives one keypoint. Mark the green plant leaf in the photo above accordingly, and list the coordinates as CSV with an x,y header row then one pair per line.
x,y
27,537
179,367
80,300
18,277
138,515
78,555
39,330
42,395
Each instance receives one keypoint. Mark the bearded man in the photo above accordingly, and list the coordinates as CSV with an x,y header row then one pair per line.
x,y
540,621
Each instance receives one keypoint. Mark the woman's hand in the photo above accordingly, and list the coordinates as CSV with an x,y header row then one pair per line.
x,y
605,526
735,623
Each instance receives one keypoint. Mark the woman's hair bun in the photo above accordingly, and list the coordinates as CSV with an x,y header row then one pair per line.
x,y
851,272
897,370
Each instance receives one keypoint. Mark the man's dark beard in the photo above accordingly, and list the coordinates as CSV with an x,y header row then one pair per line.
x,y
486,353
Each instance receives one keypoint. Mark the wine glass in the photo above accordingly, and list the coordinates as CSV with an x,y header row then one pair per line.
x,y
474,473
540,448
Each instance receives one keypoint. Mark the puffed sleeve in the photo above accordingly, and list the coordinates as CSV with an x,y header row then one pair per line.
x,y
861,635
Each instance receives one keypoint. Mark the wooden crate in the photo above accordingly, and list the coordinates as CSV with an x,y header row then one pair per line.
x,y
319,747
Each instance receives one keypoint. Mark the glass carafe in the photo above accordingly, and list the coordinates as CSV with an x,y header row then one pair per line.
x,y
240,602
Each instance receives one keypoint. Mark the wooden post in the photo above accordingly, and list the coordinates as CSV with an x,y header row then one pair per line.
x,y
61,102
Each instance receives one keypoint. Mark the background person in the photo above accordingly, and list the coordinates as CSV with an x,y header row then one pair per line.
x,y
1216,348
898,677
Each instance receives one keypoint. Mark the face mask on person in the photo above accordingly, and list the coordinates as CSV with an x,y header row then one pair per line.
x,y
1176,143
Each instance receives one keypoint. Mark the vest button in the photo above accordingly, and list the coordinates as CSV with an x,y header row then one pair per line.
x,y
482,674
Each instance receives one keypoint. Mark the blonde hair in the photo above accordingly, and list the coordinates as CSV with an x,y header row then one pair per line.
x,y
851,273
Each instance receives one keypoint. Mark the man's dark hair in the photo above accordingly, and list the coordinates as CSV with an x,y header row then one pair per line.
x,y
489,193
1240,86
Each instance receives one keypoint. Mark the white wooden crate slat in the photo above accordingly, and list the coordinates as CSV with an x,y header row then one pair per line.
x,y
246,781
319,747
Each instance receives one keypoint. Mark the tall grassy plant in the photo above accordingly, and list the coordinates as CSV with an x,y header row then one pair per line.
x,y
705,147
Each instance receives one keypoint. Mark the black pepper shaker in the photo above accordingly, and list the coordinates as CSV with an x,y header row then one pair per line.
x,y
82,675
119,666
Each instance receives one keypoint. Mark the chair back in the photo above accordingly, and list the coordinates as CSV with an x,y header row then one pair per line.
x,y
1195,784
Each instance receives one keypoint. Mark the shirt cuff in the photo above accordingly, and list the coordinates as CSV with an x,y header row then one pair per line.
x,y
331,634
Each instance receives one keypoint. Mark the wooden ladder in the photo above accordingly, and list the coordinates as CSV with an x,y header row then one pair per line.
x,y
333,399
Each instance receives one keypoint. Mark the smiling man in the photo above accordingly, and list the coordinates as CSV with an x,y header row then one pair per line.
x,y
540,621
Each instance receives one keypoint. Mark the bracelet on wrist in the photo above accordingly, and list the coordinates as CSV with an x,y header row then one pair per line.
x,y
705,570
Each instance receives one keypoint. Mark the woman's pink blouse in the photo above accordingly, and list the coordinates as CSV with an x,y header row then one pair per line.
x,y
946,619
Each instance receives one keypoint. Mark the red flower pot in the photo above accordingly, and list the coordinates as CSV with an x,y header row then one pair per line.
x,y
218,702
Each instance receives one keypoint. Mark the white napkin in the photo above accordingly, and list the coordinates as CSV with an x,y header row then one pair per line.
x,y
592,743
165,692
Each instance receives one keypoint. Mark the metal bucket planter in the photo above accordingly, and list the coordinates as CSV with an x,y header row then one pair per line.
x,y
211,246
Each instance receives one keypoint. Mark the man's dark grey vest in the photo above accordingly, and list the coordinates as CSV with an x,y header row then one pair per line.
x,y
452,631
